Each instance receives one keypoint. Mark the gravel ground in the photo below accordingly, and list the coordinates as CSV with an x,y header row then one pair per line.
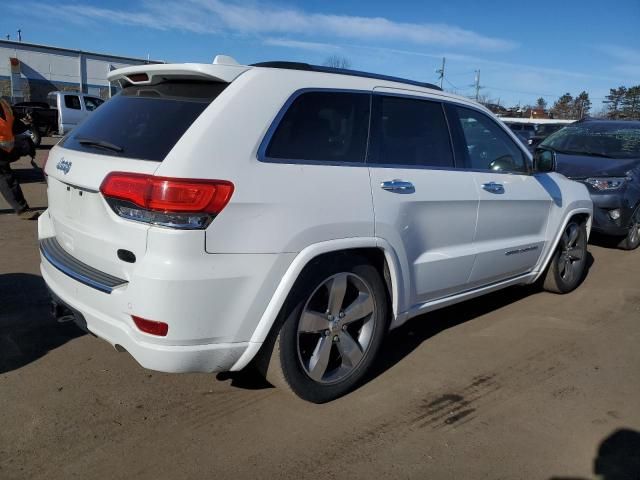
x,y
518,384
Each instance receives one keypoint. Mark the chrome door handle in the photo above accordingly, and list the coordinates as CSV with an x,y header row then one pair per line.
x,y
493,187
398,186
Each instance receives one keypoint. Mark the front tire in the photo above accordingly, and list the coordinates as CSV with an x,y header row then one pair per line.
x,y
569,262
632,240
332,327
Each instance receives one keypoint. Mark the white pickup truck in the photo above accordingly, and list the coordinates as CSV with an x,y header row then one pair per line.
x,y
59,114
73,107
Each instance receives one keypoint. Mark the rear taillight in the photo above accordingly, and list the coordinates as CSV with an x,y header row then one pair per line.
x,y
169,202
149,326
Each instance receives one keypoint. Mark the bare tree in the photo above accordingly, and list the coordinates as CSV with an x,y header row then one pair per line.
x,y
337,61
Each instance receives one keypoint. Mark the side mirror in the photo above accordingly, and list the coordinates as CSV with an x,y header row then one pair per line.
x,y
544,160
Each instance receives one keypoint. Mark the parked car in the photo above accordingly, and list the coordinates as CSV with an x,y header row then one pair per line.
x,y
286,216
542,132
72,108
605,156
61,112
534,130
523,130
523,137
43,121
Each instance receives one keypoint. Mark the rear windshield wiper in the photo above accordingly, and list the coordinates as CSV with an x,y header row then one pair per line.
x,y
92,142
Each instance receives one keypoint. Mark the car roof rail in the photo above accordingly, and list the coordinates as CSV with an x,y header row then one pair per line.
x,y
342,71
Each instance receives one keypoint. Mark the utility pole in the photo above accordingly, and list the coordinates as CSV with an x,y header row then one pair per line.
x,y
19,35
477,84
8,37
440,71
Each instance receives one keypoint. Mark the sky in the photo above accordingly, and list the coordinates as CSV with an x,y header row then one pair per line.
x,y
523,50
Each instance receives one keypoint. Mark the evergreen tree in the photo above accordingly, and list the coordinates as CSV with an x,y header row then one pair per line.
x,y
541,103
630,107
581,105
563,108
614,101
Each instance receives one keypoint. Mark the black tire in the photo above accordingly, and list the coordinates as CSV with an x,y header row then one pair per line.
x,y
568,265
288,367
632,240
36,138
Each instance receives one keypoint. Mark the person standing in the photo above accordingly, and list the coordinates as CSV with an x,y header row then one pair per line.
x,y
9,186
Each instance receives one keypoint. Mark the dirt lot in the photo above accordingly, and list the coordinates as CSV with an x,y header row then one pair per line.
x,y
520,384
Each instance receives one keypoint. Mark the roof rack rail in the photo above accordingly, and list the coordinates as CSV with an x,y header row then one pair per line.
x,y
342,71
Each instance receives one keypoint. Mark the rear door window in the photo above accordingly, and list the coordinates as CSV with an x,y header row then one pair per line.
x,y
409,132
144,122
72,102
323,127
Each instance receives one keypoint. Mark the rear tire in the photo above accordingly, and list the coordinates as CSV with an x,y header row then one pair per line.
x,y
632,240
568,264
36,138
331,329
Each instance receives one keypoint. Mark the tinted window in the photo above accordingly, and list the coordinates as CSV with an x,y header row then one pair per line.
x,y
145,122
72,101
407,131
488,147
323,126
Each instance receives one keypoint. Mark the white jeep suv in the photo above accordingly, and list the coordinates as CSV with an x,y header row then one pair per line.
x,y
287,216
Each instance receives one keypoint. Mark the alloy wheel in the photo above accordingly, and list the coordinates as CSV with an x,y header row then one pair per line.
x,y
634,233
336,328
571,253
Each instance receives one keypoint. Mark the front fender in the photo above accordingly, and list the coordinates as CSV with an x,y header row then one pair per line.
x,y
578,207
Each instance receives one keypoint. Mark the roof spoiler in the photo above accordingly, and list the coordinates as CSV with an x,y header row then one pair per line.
x,y
221,71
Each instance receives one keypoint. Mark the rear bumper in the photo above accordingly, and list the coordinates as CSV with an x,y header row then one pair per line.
x,y
164,358
211,302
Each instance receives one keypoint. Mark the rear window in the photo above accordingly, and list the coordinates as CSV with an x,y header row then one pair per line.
x,y
144,122
72,101
52,98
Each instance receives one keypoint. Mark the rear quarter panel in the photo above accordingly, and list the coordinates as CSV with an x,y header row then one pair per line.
x,y
276,207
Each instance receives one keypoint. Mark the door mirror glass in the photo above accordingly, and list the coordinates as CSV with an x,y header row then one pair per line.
x,y
544,160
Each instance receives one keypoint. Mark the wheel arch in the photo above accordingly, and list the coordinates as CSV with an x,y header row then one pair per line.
x,y
377,251
585,215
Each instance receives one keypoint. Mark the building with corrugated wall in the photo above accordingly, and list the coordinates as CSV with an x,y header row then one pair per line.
x,y
28,72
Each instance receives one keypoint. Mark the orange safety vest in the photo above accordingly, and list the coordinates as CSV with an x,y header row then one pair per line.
x,y
6,126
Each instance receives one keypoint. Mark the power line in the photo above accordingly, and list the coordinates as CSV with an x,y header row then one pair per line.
x,y
447,80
